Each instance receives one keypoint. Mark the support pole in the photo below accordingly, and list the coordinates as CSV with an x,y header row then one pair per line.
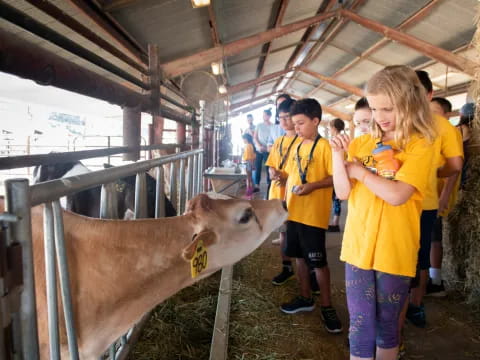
x,y
131,132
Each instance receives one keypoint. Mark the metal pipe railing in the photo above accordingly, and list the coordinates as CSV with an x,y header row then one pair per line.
x,y
13,162
43,192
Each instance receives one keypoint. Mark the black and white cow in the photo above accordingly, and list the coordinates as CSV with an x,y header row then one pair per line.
x,y
87,202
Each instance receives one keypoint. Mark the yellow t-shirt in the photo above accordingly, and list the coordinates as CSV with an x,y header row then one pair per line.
x,y
312,209
277,154
445,146
378,235
248,153
452,200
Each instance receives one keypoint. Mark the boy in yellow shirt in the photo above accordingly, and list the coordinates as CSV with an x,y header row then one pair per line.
x,y
276,162
309,194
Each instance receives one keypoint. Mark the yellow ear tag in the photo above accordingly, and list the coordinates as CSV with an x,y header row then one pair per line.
x,y
199,261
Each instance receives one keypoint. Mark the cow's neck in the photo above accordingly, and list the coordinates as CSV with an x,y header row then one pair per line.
x,y
134,265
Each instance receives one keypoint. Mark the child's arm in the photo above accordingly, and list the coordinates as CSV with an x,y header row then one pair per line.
x,y
307,188
446,191
453,166
393,192
341,182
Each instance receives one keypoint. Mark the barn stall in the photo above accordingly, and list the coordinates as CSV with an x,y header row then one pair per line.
x,y
202,66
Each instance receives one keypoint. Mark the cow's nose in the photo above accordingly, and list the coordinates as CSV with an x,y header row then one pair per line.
x,y
284,204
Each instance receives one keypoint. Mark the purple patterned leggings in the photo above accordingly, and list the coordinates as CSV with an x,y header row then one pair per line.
x,y
375,300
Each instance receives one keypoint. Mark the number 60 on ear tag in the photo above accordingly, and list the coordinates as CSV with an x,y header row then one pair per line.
x,y
199,261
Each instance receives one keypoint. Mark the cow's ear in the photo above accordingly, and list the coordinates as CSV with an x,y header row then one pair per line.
x,y
201,201
208,238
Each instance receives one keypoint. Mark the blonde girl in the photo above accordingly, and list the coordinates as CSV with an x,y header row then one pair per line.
x,y
381,239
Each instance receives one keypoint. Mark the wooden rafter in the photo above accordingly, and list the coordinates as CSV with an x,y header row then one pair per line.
x,y
250,108
337,113
255,82
307,37
203,58
340,84
423,47
213,25
111,28
267,47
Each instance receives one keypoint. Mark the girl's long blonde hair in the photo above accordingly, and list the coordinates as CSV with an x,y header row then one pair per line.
x,y
409,98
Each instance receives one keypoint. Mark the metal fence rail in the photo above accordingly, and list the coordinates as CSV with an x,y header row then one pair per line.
x,y
21,197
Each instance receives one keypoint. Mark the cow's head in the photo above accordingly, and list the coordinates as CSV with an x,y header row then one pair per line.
x,y
231,229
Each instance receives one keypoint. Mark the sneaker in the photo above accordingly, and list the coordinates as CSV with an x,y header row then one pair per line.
x,y
276,241
283,277
314,284
333,228
435,290
331,320
297,305
416,315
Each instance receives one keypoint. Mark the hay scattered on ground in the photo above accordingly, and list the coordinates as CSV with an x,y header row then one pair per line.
x,y
181,327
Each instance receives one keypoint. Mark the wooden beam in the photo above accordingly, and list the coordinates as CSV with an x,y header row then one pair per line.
x,y
415,18
111,29
246,102
248,84
203,58
337,113
213,25
267,47
415,43
340,84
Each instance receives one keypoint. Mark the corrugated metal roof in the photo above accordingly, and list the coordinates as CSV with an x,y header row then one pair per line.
x,y
390,13
330,60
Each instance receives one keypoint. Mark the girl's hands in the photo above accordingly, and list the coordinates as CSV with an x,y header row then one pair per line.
x,y
355,170
340,143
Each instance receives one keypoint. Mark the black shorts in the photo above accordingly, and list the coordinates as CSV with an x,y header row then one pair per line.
x,y
427,223
438,230
306,242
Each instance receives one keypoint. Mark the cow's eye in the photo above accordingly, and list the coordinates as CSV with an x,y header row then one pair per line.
x,y
246,216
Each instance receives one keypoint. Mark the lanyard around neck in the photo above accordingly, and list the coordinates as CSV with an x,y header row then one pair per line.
x,y
284,156
303,173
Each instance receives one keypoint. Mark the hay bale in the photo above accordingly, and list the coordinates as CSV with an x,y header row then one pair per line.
x,y
462,237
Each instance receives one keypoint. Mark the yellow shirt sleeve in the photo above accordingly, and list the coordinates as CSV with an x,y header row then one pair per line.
x,y
273,157
450,146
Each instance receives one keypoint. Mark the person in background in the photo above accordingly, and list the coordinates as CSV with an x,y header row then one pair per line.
x,y
277,160
381,237
337,127
447,161
467,114
251,126
276,130
447,190
249,159
309,199
362,117
261,138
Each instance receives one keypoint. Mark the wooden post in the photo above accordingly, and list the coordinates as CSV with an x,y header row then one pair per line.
x,y
181,134
157,125
131,132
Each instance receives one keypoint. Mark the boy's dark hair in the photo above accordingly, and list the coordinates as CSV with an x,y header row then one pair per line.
x,y
425,80
444,103
285,96
362,104
285,106
268,112
338,124
309,107
250,116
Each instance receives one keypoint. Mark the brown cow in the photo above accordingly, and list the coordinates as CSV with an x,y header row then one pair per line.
x,y
119,270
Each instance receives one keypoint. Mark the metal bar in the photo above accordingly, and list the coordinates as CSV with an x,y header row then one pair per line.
x,y
108,202
160,194
173,186
201,187
194,175
65,281
190,177
51,282
31,25
54,189
18,203
219,346
182,187
141,210
13,162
